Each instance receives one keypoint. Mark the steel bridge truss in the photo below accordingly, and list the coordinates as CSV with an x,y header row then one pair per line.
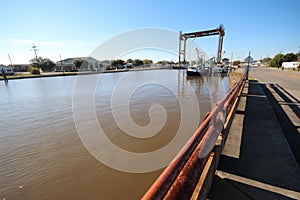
x,y
184,36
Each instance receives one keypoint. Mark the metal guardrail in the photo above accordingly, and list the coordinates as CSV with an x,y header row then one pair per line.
x,y
180,177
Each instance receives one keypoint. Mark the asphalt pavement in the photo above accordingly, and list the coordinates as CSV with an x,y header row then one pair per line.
x,y
261,156
287,79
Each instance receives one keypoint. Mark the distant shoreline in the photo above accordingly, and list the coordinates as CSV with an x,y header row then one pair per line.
x,y
54,74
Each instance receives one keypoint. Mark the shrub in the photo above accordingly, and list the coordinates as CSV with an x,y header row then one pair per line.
x,y
34,70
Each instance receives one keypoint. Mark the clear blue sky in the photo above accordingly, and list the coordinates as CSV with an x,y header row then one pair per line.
x,y
75,28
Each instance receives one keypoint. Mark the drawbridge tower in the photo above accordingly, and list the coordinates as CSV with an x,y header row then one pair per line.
x,y
184,36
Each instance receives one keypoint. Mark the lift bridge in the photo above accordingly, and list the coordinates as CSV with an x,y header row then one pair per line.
x,y
184,36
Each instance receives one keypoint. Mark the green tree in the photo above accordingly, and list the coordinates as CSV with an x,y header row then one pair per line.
x,y
137,62
45,64
129,61
117,63
277,60
163,62
34,71
147,62
266,59
290,57
236,62
78,62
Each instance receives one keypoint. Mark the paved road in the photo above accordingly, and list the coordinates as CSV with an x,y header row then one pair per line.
x,y
289,80
282,88
261,157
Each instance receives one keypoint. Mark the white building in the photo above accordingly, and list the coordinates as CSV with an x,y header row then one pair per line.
x,y
290,65
89,64
7,70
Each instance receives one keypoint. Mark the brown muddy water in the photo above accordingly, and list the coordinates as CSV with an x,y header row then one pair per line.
x,y
42,156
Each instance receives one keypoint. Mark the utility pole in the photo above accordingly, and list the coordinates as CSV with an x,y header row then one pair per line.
x,y
223,55
248,66
231,59
62,65
35,49
278,62
249,58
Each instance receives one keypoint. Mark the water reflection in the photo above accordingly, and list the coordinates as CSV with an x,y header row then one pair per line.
x,y
40,149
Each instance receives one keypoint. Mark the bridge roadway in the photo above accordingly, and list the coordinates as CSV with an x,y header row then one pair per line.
x,y
261,157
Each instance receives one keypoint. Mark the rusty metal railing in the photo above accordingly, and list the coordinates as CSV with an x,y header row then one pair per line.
x,y
180,177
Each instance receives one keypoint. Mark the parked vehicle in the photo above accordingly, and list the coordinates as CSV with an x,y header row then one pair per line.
x,y
290,65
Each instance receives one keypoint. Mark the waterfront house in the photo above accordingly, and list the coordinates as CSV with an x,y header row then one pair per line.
x,y
65,65
20,67
89,64
7,70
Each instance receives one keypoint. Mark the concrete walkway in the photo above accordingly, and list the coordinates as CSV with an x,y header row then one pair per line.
x,y
257,161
